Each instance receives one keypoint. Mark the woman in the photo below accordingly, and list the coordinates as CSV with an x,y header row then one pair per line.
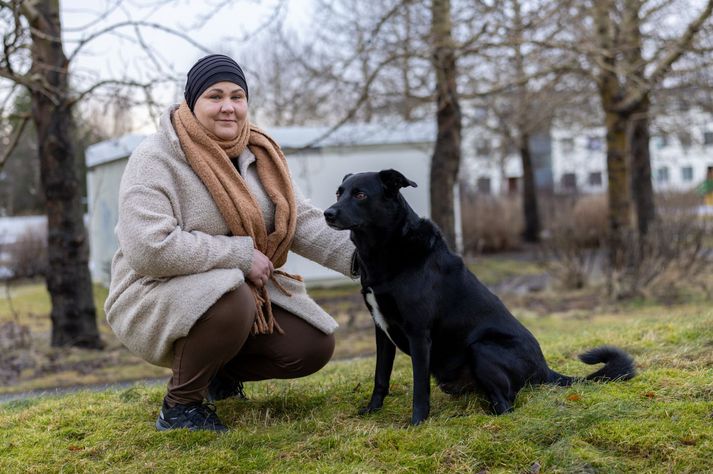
x,y
207,214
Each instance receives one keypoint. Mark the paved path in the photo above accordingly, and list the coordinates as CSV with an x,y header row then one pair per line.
x,y
9,397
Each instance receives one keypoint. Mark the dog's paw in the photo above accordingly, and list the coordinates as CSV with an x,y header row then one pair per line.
x,y
370,408
418,419
419,415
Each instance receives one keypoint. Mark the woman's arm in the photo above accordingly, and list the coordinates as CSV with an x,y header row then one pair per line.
x,y
154,245
315,240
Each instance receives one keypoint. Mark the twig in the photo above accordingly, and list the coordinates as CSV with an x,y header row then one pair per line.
x,y
17,133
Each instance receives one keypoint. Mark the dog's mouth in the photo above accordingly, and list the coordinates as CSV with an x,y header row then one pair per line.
x,y
341,226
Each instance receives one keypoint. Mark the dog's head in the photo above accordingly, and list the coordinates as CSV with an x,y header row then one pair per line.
x,y
368,200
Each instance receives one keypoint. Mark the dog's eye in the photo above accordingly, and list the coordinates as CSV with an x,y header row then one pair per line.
x,y
359,196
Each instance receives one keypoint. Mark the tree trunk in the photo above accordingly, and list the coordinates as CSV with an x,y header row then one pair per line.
x,y
641,186
618,187
68,279
524,126
529,193
446,153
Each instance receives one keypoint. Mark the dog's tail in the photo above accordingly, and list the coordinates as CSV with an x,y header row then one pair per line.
x,y
618,365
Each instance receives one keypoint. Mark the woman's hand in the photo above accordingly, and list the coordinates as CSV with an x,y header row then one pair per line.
x,y
260,270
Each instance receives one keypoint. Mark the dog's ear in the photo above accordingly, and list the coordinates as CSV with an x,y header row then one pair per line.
x,y
346,176
393,180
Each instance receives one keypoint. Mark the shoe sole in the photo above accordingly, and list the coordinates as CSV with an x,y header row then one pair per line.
x,y
162,425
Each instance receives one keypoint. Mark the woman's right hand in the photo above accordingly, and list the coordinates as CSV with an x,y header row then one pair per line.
x,y
260,270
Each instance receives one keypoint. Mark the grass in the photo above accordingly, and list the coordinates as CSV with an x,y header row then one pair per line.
x,y
661,421
34,365
37,366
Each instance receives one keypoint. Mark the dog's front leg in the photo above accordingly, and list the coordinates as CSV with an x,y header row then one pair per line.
x,y
385,353
420,345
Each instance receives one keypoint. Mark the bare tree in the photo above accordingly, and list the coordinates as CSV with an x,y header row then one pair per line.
x,y
447,150
389,63
68,279
34,58
625,79
522,86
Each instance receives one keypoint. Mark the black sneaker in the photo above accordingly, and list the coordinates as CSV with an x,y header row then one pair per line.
x,y
196,416
223,386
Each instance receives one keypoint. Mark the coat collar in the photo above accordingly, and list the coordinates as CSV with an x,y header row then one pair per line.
x,y
168,133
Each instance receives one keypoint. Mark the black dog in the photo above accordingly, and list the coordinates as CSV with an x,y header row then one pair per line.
x,y
425,302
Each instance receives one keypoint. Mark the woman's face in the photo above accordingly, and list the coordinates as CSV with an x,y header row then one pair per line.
x,y
222,109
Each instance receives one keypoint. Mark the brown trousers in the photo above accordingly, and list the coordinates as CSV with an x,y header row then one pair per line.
x,y
221,340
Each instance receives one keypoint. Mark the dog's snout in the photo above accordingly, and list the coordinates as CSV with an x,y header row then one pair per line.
x,y
330,214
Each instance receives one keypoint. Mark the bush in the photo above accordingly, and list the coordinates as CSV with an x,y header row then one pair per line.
x,y
576,229
671,259
28,255
490,224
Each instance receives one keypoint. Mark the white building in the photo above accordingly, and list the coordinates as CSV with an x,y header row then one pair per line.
x,y
317,170
577,161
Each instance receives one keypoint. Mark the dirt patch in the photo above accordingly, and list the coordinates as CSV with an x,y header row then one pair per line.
x,y
546,304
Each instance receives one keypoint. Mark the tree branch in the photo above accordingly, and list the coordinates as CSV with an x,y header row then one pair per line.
x,y
681,47
14,139
135,24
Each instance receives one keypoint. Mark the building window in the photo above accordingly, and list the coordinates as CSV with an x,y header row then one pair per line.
x,y
687,173
595,178
685,138
708,138
569,182
482,147
567,145
662,175
661,141
513,185
595,143
483,185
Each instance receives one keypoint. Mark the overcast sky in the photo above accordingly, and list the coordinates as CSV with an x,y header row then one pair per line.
x,y
119,55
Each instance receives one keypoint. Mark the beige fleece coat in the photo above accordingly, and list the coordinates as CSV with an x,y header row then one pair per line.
x,y
176,257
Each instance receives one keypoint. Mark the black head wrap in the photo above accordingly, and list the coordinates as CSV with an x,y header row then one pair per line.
x,y
209,70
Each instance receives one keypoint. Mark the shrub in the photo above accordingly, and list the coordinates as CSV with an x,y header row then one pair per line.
x,y
490,224
575,231
28,255
670,259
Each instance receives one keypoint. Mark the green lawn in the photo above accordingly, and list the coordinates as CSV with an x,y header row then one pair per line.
x,y
661,421
37,366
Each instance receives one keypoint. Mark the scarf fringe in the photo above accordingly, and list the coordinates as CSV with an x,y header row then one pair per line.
x,y
265,322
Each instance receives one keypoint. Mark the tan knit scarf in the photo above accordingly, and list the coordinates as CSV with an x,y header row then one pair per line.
x,y
209,156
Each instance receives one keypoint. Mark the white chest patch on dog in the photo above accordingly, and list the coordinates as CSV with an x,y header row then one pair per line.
x,y
376,313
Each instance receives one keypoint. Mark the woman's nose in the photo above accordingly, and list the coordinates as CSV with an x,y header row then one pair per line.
x,y
226,107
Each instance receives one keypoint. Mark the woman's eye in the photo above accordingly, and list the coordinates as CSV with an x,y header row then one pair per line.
x,y
360,196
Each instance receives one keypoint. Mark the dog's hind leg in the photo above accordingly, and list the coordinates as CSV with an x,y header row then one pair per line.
x,y
491,378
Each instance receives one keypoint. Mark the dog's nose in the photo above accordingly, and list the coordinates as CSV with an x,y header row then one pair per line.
x,y
330,215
